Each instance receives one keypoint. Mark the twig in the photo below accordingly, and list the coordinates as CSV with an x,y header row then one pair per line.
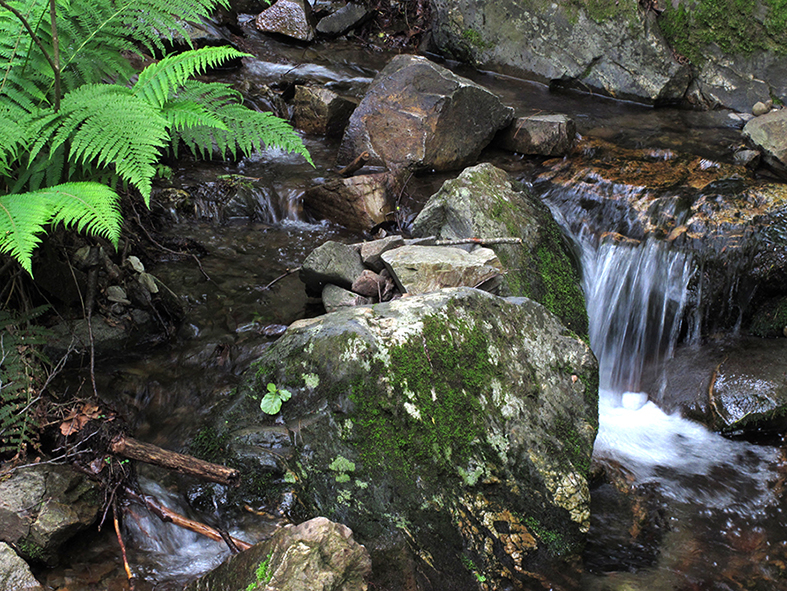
x,y
122,547
282,276
478,241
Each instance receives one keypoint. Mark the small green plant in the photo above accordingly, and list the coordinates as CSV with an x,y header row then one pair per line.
x,y
272,401
263,575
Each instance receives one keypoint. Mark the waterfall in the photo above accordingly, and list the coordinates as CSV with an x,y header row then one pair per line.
x,y
637,295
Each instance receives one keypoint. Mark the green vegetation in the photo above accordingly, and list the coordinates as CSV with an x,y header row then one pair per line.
x,y
553,540
770,320
733,25
210,445
443,376
263,574
273,399
68,137
475,39
20,378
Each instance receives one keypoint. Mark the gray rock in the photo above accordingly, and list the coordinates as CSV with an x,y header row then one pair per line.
x,y
317,555
436,423
769,134
621,54
421,269
348,16
371,251
15,575
292,18
418,114
484,202
332,262
320,111
43,506
335,298
358,203
748,158
545,135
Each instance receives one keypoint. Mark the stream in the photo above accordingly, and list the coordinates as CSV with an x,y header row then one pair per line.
x,y
718,503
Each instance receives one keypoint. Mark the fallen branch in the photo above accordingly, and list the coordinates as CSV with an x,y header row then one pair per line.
x,y
287,273
355,165
478,241
152,454
168,516
126,565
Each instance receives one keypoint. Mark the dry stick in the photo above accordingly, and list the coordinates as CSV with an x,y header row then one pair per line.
x,y
169,516
478,241
282,276
355,165
122,547
152,454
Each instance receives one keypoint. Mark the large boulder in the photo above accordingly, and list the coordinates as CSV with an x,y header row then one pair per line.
x,y
451,431
484,202
769,133
419,114
43,506
614,49
317,555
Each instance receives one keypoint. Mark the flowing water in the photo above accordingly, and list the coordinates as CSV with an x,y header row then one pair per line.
x,y
718,502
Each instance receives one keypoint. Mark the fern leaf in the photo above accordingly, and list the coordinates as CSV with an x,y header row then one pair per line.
x,y
157,81
90,207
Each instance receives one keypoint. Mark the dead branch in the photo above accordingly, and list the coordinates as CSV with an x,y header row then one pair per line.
x,y
152,454
122,547
478,241
282,276
355,165
169,516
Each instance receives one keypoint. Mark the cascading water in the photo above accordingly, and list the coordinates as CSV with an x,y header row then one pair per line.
x,y
636,293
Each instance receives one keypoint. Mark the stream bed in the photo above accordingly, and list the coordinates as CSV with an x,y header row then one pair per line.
x,y
716,505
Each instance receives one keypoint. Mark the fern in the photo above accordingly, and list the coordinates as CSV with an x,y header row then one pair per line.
x,y
53,148
91,207
19,368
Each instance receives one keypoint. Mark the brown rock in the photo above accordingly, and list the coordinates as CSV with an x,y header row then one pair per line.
x,y
292,18
320,111
545,135
369,284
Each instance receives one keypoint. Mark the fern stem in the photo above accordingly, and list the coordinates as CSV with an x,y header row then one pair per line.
x,y
30,30
56,51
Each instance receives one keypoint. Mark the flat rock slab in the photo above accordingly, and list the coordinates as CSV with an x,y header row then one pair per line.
x,y
421,269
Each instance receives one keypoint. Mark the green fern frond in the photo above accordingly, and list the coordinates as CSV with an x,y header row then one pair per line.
x,y
158,81
90,207
185,114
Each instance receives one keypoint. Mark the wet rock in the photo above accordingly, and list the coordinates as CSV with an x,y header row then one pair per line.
x,y
15,575
735,386
619,52
419,114
43,506
320,111
349,16
421,269
770,319
292,18
358,203
108,334
545,135
748,158
335,298
332,262
484,202
371,252
769,134
440,422
729,81
317,555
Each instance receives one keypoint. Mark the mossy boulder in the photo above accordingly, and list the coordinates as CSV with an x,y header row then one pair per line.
x,y
484,202
452,431
608,46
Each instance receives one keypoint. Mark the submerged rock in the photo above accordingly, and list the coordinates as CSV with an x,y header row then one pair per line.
x,y
317,555
419,114
451,431
484,202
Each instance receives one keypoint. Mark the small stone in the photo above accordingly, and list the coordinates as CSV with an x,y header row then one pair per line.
x,y
335,298
292,18
344,19
760,108
332,262
372,251
148,282
369,284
